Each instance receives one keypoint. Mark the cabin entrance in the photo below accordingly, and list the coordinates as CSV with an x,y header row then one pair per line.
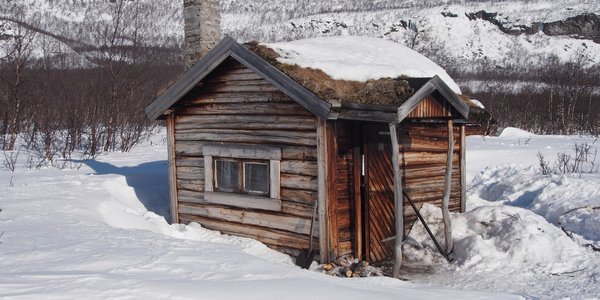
x,y
364,194
379,193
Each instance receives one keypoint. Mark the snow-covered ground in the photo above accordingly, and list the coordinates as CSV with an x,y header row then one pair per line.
x,y
99,232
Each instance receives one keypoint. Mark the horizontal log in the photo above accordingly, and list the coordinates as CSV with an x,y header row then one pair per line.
x,y
185,161
234,76
297,209
262,219
425,146
299,167
192,149
227,98
243,201
251,137
423,158
247,109
299,153
190,196
265,235
195,173
301,196
188,148
427,171
245,122
249,87
299,182
190,185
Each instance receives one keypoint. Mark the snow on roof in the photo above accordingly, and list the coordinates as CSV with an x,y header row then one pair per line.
x,y
359,58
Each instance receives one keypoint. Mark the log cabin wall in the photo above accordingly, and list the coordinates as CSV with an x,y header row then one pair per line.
x,y
234,105
423,154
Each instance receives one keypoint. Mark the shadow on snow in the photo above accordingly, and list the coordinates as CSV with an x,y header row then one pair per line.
x,y
148,180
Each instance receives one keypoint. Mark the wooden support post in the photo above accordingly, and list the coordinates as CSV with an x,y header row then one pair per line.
x,y
332,201
357,177
398,201
172,168
447,190
322,190
463,169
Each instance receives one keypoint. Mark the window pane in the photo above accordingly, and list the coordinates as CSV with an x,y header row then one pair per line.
x,y
228,175
256,177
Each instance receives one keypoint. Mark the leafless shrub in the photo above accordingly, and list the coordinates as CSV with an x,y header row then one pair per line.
x,y
544,165
60,110
10,159
582,160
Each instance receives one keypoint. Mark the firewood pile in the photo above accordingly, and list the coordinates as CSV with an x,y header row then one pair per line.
x,y
348,266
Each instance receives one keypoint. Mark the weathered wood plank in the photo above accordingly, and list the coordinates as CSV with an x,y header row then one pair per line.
x,y
324,242
188,148
297,209
242,151
228,98
184,161
398,202
250,137
265,235
299,153
286,223
463,170
242,201
171,153
190,185
246,122
302,182
190,196
299,167
247,109
447,191
196,173
300,196
256,86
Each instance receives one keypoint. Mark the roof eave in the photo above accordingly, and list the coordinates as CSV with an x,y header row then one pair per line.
x,y
434,84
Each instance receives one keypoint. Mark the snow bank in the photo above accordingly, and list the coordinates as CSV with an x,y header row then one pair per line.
x,y
359,58
503,238
568,201
514,133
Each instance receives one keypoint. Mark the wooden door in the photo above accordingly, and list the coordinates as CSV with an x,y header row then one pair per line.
x,y
379,183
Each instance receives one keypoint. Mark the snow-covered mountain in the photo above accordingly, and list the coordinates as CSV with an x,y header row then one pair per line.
x,y
454,33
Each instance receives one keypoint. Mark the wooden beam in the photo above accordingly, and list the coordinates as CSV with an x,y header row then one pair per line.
x,y
242,151
332,222
357,168
208,173
243,201
322,190
463,169
398,201
447,190
172,168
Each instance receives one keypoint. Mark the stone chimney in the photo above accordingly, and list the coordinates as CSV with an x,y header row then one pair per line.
x,y
202,28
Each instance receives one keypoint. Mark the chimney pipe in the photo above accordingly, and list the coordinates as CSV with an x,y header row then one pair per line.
x,y
202,28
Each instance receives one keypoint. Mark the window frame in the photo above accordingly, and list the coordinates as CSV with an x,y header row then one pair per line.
x,y
271,156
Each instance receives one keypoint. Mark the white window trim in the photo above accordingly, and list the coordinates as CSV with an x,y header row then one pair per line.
x,y
272,154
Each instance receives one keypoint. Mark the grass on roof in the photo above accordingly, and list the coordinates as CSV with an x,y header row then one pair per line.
x,y
385,91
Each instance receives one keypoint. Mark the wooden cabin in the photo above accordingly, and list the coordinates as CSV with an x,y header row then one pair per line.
x,y
254,153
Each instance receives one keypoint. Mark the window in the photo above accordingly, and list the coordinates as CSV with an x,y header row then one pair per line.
x,y
256,178
227,175
244,176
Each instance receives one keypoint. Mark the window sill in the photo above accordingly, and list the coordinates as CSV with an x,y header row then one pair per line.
x,y
243,201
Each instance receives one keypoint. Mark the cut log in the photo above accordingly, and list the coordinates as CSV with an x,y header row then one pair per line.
x,y
447,190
